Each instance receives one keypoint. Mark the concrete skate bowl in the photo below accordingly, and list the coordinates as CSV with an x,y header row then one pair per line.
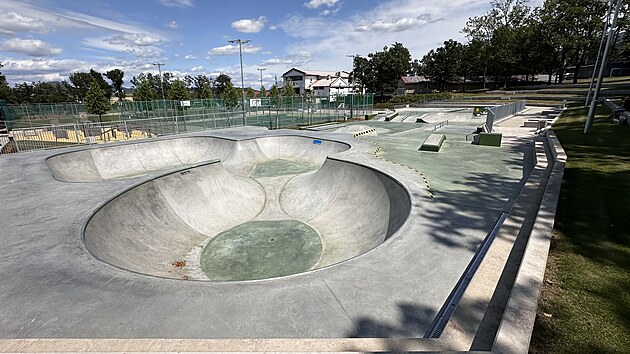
x,y
207,223
136,159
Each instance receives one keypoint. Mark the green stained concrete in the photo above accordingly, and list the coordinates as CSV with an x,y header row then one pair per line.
x,y
281,167
260,250
461,173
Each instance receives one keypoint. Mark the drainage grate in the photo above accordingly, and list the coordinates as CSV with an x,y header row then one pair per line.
x,y
451,304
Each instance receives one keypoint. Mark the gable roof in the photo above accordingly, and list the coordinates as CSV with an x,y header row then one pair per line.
x,y
320,74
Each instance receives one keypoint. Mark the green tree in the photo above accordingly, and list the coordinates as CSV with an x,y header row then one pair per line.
x,y
289,88
274,94
96,102
82,82
250,93
6,93
577,26
442,65
221,83
200,85
178,91
263,92
144,91
231,95
381,71
116,77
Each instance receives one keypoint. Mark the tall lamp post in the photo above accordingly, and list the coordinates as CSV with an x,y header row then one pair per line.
x,y
352,93
240,52
261,70
159,65
591,111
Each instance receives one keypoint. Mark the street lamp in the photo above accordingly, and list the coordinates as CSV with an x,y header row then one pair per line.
x,y
159,65
352,93
240,52
261,70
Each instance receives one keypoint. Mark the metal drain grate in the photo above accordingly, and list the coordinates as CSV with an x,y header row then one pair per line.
x,y
451,304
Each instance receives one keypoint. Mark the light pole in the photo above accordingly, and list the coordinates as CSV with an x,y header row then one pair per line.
x,y
240,52
352,93
261,70
591,111
159,65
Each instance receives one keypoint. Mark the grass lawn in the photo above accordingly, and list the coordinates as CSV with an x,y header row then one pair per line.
x,y
585,300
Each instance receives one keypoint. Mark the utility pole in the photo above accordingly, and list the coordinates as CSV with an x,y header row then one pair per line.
x,y
352,93
240,52
591,111
159,65
261,70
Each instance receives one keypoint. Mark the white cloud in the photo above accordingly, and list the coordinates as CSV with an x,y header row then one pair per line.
x,y
173,24
315,4
12,22
267,52
197,69
139,39
32,47
250,25
298,59
233,49
274,27
189,57
177,3
123,46
398,25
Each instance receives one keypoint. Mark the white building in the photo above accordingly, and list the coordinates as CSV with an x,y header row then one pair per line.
x,y
321,83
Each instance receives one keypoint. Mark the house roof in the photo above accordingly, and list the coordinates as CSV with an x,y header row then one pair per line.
x,y
334,82
319,73
414,79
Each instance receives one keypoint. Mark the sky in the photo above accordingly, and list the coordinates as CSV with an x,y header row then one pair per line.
x,y
47,40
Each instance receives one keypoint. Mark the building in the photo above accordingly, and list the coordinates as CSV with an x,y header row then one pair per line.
x,y
321,83
409,85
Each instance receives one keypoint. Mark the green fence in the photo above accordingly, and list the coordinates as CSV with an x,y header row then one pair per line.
x,y
294,109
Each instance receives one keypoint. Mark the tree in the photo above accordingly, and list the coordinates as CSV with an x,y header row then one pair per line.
x,y
381,71
231,95
144,91
6,93
82,82
442,65
274,94
263,92
289,89
178,91
221,83
96,101
250,92
116,76
200,86
577,25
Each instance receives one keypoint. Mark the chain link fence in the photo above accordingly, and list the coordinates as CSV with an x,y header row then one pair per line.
x,y
40,128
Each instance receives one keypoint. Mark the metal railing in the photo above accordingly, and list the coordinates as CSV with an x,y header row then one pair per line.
x,y
497,113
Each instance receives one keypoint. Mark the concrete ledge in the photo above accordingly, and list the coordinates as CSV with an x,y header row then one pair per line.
x,y
518,319
391,116
433,143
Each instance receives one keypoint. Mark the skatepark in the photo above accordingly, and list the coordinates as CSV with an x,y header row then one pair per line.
x,y
348,237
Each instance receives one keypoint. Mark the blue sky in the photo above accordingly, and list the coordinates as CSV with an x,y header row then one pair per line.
x,y
46,40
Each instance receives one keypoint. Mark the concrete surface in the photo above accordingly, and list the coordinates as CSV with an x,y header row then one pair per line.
x,y
54,289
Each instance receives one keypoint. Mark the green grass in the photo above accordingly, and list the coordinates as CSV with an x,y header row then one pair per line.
x,y
585,300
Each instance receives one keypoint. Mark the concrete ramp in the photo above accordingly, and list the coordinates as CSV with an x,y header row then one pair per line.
x,y
157,223
134,159
348,205
160,227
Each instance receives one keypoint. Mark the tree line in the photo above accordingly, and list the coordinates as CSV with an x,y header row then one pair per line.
x,y
511,39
